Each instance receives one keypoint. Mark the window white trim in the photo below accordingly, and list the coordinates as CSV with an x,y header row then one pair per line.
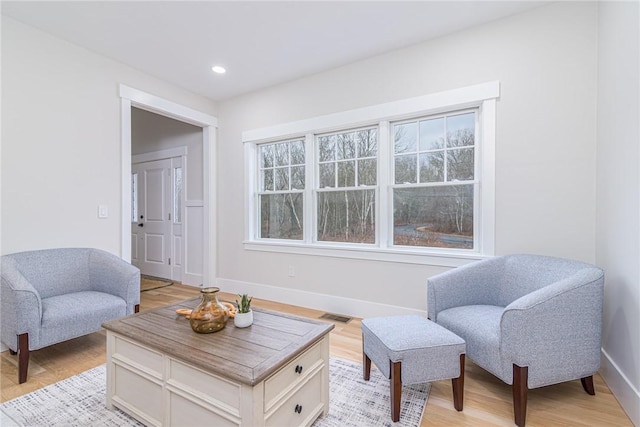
x,y
481,96
469,96
430,256
487,177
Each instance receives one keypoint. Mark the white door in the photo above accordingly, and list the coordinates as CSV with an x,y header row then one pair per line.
x,y
151,221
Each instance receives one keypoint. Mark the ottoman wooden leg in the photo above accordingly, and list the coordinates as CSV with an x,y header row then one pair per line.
x,y
458,386
366,366
366,363
396,389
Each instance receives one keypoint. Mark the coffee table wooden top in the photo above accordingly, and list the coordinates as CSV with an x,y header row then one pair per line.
x,y
248,355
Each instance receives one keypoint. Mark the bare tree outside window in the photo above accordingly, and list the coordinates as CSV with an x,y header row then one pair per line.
x,y
281,198
347,169
281,216
432,204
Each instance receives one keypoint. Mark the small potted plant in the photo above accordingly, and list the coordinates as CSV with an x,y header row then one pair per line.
x,y
244,315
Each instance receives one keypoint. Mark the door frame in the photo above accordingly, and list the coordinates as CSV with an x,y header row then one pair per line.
x,y
130,97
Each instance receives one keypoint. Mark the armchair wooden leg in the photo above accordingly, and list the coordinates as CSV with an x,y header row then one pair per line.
x,y
458,386
396,389
520,377
23,357
136,309
587,385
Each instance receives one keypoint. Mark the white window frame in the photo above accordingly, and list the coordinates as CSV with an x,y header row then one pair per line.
x,y
390,185
317,189
258,192
481,96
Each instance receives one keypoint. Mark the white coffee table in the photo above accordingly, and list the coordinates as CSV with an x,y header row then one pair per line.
x,y
273,373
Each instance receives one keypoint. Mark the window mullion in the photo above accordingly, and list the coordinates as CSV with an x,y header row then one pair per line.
x,y
310,173
384,225
289,167
445,176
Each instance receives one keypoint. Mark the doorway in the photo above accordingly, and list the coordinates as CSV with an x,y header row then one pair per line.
x,y
167,236
202,211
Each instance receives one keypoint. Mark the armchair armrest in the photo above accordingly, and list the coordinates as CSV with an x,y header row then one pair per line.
x,y
557,329
21,306
471,284
113,275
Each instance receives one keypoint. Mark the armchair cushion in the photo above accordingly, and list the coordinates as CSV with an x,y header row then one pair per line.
x,y
66,315
480,324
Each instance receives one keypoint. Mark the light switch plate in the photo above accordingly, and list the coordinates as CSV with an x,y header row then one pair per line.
x,y
103,211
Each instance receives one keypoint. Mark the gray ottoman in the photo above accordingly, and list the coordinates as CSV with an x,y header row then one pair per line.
x,y
413,350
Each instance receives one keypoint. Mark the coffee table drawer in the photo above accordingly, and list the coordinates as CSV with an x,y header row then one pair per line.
x,y
289,376
301,407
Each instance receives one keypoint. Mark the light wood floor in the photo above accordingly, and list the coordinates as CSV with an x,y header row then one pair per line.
x,y
487,401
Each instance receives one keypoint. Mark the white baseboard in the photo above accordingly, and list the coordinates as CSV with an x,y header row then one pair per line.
x,y
323,302
626,394
192,279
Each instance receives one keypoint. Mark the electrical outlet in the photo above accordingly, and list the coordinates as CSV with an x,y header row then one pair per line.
x,y
292,271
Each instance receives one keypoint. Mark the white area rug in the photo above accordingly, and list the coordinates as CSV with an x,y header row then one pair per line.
x,y
80,401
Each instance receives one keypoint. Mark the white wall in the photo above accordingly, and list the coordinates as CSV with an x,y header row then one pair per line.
x,y
61,140
545,61
618,197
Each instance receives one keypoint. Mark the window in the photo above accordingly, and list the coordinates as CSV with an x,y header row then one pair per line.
x,y
347,178
434,187
282,181
409,181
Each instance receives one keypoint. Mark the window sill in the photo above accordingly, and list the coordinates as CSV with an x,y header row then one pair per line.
x,y
440,258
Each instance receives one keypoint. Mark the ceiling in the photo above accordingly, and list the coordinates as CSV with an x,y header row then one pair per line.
x,y
260,43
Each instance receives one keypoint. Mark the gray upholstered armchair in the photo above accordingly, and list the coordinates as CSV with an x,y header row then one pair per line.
x,y
53,295
530,320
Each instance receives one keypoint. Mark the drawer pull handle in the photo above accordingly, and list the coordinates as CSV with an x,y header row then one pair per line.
x,y
298,369
298,409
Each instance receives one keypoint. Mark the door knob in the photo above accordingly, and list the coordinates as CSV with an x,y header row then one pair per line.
x,y
141,225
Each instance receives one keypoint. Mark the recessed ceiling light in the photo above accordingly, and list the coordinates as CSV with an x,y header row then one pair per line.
x,y
218,69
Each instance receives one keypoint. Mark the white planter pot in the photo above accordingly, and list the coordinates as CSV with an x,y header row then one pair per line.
x,y
242,320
